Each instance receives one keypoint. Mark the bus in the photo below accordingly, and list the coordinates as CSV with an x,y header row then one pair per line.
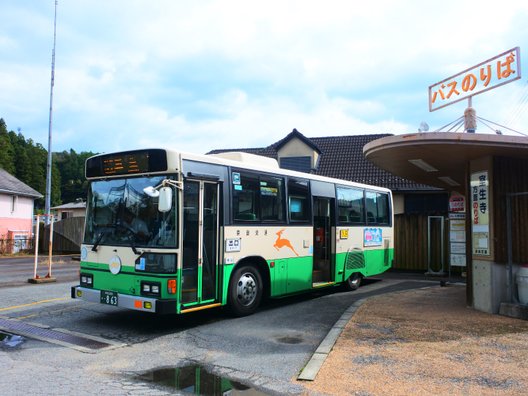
x,y
172,232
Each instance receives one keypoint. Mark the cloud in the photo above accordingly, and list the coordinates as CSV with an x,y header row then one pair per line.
x,y
220,74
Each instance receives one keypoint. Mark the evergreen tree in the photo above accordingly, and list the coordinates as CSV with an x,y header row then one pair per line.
x,y
27,161
7,154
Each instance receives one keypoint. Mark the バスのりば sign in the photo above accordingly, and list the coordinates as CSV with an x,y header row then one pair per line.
x,y
492,73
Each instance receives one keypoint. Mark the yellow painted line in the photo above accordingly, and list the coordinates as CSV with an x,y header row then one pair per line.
x,y
31,304
26,317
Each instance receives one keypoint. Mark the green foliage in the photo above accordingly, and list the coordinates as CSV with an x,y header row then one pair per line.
x,y
27,161
71,167
7,154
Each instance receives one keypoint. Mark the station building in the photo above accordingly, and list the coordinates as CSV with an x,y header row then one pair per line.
x,y
490,172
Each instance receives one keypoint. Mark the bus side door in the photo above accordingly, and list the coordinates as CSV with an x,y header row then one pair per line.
x,y
200,242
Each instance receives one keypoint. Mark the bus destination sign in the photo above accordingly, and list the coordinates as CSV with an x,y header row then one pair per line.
x,y
127,163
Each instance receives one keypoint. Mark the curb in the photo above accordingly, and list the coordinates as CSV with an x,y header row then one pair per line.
x,y
310,371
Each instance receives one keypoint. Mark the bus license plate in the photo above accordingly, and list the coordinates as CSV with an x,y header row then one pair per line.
x,y
109,297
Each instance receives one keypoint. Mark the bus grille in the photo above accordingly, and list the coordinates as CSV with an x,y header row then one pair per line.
x,y
355,259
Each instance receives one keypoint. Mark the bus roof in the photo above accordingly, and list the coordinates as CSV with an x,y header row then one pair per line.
x,y
233,159
254,162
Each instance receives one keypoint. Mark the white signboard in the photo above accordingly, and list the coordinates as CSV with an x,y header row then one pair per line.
x,y
492,73
232,245
458,260
480,213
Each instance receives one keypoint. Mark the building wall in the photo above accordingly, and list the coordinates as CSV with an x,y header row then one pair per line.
x,y
67,213
21,219
411,245
398,203
296,148
490,286
511,176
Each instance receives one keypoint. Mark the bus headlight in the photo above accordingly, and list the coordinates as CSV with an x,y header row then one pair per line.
x,y
151,289
86,280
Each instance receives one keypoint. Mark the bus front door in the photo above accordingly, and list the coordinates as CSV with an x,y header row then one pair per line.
x,y
323,257
200,243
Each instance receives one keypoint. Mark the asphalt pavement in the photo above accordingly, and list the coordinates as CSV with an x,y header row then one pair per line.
x,y
17,270
396,312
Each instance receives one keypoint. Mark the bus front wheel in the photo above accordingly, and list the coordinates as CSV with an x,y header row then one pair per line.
x,y
353,281
245,291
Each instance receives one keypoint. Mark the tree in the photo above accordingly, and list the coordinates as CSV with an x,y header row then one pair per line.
x,y
7,154
71,166
27,161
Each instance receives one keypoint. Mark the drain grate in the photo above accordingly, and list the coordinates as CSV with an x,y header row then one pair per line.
x,y
80,342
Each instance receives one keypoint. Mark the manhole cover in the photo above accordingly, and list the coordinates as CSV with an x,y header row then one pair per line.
x,y
77,341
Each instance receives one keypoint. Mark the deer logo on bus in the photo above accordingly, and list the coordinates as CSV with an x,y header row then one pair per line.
x,y
282,242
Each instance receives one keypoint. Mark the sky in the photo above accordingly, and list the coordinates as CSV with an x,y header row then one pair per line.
x,y
202,75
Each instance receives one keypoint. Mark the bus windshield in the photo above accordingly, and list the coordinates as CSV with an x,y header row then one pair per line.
x,y
120,213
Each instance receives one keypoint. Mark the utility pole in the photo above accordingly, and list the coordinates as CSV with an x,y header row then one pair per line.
x,y
48,167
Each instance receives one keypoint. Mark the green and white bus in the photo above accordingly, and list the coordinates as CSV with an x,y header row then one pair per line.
x,y
171,232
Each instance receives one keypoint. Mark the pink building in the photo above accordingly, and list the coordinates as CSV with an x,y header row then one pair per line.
x,y
16,211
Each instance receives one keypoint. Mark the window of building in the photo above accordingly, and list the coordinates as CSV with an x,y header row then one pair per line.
x,y
14,200
66,215
298,200
257,198
377,205
351,205
300,164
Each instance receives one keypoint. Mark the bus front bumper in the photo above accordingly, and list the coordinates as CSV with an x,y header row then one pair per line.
x,y
137,303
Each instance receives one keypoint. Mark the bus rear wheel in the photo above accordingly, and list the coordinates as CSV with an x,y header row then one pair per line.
x,y
245,291
353,282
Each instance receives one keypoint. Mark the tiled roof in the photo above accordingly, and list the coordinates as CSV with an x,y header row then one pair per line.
x,y
9,184
71,205
342,157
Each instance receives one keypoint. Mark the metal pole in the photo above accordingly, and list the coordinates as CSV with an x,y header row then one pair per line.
x,y
50,247
510,248
48,167
36,247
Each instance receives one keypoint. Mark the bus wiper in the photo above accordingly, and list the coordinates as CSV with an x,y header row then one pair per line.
x,y
133,246
98,241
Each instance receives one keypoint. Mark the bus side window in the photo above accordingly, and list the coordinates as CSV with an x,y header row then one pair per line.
x,y
257,197
350,205
377,208
298,200
271,198
245,193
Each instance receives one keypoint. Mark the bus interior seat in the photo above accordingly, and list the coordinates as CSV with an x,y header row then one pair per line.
x,y
246,216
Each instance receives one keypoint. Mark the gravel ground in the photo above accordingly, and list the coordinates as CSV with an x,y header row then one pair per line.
x,y
424,342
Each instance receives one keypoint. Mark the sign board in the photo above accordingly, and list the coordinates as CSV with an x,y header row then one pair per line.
x,y
457,238
372,237
492,73
457,203
480,213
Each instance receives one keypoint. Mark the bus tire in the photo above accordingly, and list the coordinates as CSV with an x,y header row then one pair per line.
x,y
245,291
353,281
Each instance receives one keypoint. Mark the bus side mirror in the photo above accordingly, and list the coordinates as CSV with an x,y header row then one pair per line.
x,y
165,199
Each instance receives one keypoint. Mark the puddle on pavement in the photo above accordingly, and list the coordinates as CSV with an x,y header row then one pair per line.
x,y
10,340
290,340
196,380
